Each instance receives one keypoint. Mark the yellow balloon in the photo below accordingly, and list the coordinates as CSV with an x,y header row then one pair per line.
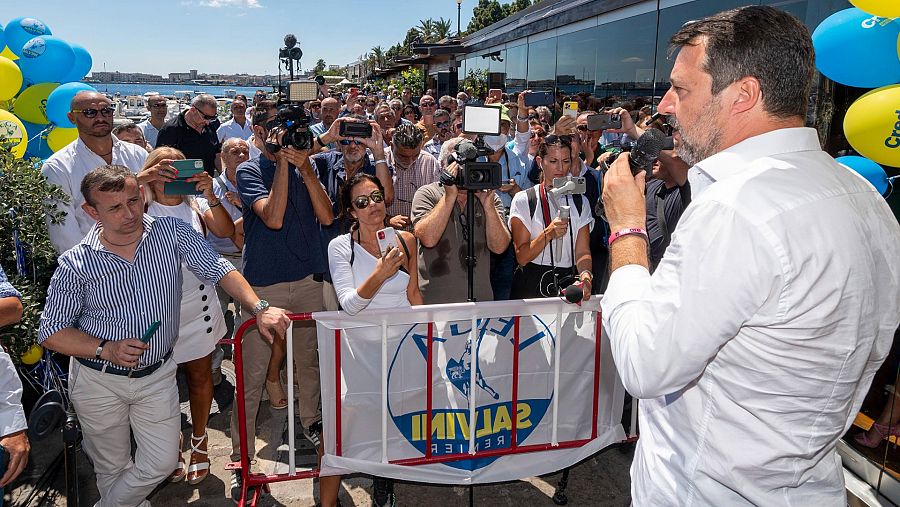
x,y
32,355
882,8
872,125
31,104
13,134
59,138
8,54
10,79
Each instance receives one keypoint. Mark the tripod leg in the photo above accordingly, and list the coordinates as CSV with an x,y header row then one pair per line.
x,y
71,437
559,496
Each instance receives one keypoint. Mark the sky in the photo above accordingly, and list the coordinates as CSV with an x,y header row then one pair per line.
x,y
228,36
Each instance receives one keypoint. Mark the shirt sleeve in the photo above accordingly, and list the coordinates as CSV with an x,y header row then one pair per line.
x,y
250,184
166,137
64,301
663,330
12,415
6,288
520,143
197,255
519,209
65,234
342,276
424,200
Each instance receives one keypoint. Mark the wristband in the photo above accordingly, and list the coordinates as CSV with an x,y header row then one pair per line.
x,y
627,232
319,140
218,203
380,161
520,118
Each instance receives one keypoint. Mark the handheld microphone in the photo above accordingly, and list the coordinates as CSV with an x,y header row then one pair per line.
x,y
655,116
564,214
646,151
574,293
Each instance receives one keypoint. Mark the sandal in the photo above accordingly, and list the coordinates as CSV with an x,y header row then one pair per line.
x,y
178,474
201,469
277,396
882,430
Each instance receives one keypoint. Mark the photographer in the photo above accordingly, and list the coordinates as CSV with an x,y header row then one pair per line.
x,y
544,244
440,225
283,203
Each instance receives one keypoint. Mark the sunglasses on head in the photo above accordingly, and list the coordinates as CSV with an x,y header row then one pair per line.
x,y
348,142
92,113
555,139
362,202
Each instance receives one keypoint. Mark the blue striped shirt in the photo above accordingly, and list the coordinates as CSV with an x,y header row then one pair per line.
x,y
106,296
6,288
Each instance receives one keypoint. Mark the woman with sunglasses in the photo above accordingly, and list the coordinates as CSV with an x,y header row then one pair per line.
x,y
202,323
552,252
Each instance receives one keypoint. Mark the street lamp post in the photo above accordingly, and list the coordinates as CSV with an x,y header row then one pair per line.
x,y
458,17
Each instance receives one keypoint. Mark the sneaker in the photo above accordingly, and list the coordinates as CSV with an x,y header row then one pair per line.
x,y
314,434
383,495
236,483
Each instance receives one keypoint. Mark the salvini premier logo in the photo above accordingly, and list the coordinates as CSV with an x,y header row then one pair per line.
x,y
453,353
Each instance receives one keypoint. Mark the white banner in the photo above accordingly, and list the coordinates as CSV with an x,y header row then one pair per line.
x,y
383,371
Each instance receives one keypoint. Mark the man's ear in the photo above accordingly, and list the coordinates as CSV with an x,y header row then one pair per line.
x,y
90,210
747,94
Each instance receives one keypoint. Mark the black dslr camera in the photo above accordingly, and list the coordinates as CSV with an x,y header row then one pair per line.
x,y
294,122
474,175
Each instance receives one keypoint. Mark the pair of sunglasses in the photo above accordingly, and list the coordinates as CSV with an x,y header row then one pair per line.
x,y
362,202
348,142
555,139
442,124
92,113
207,117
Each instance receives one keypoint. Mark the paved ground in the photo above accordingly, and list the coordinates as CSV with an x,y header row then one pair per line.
x,y
601,480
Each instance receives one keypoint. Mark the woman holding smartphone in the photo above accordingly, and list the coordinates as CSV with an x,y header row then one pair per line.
x,y
201,324
550,255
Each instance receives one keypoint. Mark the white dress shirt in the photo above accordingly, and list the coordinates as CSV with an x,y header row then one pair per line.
x,y
151,133
66,168
757,337
232,128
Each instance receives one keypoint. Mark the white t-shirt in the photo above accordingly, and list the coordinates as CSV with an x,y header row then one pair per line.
x,y
535,224
346,278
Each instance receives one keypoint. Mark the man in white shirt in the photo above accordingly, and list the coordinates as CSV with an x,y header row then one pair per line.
x,y
239,125
755,340
158,108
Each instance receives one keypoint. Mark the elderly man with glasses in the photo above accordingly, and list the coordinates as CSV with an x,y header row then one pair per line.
x,y
158,108
194,134
443,126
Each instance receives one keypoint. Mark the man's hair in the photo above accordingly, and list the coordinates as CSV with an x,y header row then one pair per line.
x,y
441,112
231,141
448,147
106,178
123,127
204,100
445,100
261,112
408,135
759,41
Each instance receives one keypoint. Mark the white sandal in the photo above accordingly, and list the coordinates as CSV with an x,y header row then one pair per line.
x,y
200,468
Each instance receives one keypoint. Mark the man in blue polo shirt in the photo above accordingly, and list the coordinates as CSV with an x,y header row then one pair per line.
x,y
283,204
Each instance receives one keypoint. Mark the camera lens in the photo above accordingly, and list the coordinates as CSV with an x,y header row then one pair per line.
x,y
477,176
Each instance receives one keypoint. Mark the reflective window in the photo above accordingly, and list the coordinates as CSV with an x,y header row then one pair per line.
x,y
497,69
516,68
476,77
624,60
576,61
542,64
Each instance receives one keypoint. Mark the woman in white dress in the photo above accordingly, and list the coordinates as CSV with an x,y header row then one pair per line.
x,y
201,323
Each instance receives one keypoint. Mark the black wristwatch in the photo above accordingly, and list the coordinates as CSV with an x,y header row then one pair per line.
x,y
99,349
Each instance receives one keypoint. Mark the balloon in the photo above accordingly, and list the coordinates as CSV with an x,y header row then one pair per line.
x,y
2,37
857,49
60,100
80,67
10,79
37,141
9,54
46,59
13,134
30,105
869,170
872,125
883,8
59,138
32,355
21,30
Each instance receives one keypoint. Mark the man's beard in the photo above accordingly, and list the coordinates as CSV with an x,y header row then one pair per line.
x,y
700,143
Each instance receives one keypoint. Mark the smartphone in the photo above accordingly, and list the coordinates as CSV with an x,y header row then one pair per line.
x,y
145,338
387,239
570,109
539,98
355,129
570,185
354,92
186,169
495,93
604,121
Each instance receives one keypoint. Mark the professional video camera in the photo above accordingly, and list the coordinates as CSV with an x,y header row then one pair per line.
x,y
292,117
474,175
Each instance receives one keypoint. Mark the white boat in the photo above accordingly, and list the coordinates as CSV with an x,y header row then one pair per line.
x,y
230,94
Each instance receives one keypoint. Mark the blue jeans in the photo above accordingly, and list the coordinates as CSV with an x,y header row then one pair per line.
x,y
502,267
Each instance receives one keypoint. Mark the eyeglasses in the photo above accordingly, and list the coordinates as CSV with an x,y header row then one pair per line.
x,y
538,134
348,142
555,139
159,104
458,126
92,113
397,108
207,117
362,202
442,124
582,128
425,104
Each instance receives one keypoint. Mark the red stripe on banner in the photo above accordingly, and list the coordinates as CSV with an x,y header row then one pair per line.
x,y
428,389
489,454
515,385
598,335
337,392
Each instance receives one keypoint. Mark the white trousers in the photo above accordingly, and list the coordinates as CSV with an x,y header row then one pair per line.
x,y
112,407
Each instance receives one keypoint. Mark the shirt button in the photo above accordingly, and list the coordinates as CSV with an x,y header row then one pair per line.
x,y
207,318
202,287
205,308
204,298
209,330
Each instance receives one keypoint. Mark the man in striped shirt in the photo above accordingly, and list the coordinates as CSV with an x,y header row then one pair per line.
x,y
111,289
413,168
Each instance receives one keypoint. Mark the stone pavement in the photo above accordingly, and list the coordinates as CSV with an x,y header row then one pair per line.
x,y
601,480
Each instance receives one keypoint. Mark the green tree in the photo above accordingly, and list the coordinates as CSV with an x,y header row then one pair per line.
x,y
378,55
26,198
426,29
411,35
485,14
320,65
443,28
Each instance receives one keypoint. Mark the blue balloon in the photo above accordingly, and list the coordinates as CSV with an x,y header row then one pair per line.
x,y
858,49
59,103
37,141
46,59
869,170
81,67
21,30
2,38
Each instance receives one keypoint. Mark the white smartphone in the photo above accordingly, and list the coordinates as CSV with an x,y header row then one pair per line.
x,y
387,238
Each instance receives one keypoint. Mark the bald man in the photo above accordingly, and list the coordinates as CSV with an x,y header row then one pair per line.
x,y
328,113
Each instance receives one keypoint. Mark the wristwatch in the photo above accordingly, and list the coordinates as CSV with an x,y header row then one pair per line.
x,y
261,305
99,349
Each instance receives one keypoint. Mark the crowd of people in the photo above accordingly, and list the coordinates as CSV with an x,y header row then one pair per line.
x,y
272,229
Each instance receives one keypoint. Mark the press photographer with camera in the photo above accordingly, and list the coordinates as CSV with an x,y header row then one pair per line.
x,y
283,203
552,250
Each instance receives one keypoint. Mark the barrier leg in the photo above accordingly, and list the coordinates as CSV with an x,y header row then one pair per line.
x,y
559,496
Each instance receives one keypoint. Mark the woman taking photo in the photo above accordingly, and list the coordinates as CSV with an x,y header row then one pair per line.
x,y
544,242
201,323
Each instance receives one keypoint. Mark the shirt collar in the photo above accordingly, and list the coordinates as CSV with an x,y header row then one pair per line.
x,y
733,160
79,144
92,239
